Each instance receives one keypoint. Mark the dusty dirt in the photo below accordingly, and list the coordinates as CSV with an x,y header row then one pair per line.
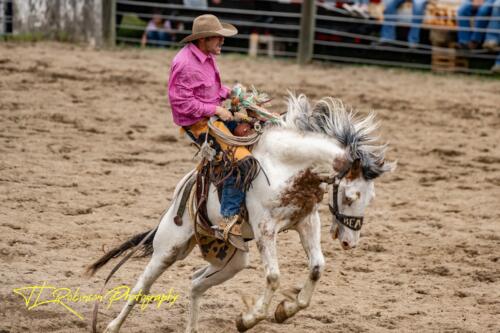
x,y
90,156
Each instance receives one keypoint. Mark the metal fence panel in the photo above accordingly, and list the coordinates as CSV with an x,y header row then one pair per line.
x,y
6,18
339,36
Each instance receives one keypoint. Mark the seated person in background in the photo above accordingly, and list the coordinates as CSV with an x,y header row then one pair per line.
x,y
358,8
157,31
473,39
388,30
496,66
200,4
492,39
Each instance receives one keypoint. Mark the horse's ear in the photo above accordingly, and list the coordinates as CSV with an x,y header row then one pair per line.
x,y
355,170
389,166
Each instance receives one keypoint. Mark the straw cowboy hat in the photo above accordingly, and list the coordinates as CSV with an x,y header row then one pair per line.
x,y
209,25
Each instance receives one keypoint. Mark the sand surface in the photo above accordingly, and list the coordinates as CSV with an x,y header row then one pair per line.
x,y
89,156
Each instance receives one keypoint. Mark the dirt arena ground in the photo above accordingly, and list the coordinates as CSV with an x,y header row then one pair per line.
x,y
90,156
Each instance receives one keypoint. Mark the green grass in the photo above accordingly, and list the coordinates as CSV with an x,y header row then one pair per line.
x,y
25,37
132,20
37,37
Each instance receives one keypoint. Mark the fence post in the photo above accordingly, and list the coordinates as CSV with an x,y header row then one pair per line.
x,y
2,19
109,21
306,35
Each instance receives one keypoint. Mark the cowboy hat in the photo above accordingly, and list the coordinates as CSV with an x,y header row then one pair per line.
x,y
208,25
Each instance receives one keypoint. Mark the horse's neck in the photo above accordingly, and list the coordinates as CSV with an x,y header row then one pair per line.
x,y
283,154
289,152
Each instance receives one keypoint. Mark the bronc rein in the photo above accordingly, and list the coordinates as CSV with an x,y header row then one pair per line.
x,y
352,222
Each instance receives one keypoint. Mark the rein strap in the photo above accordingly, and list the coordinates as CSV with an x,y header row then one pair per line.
x,y
352,222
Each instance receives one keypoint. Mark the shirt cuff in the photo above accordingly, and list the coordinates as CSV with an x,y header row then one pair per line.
x,y
227,92
210,110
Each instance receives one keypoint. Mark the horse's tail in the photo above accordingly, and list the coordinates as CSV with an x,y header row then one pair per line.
x,y
146,250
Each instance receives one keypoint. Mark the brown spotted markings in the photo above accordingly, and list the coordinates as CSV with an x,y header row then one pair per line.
x,y
304,194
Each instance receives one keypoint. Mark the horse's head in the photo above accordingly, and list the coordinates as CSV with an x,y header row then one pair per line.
x,y
350,195
353,186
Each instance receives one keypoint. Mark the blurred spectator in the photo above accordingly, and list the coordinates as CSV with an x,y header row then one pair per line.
x,y
492,39
473,39
388,31
201,4
358,8
496,66
158,31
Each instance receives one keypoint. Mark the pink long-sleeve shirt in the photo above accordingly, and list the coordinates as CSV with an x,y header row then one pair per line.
x,y
194,87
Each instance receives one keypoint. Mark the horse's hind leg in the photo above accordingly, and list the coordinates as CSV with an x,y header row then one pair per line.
x,y
309,230
210,276
160,261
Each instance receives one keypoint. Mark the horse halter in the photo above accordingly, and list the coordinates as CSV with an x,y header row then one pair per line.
x,y
352,222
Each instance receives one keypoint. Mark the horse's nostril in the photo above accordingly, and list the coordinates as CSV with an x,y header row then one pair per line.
x,y
345,244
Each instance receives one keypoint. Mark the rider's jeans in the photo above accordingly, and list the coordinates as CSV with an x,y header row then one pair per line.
x,y
232,197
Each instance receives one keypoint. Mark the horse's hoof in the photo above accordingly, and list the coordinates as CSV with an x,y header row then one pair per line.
x,y
240,325
110,329
280,314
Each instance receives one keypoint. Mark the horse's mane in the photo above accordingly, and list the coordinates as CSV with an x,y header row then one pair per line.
x,y
331,117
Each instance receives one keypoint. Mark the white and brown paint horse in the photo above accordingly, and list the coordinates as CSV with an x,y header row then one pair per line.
x,y
295,154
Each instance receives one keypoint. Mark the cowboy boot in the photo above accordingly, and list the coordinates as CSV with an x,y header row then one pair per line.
x,y
229,230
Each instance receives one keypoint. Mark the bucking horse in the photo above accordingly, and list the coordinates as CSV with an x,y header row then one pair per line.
x,y
311,150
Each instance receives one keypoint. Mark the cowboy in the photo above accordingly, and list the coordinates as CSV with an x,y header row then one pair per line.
x,y
196,94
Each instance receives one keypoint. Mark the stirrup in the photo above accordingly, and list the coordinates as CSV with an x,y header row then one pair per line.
x,y
231,222
229,230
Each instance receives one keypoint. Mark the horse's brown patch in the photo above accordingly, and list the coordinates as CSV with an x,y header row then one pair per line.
x,y
304,193
260,245
354,171
340,163
315,273
266,235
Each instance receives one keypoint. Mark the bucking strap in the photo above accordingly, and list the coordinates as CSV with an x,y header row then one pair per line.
x,y
185,196
202,186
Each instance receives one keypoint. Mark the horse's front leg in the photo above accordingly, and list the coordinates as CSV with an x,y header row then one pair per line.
x,y
310,235
266,243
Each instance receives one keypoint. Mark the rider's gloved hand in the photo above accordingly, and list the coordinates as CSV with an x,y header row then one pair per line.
x,y
223,113
241,116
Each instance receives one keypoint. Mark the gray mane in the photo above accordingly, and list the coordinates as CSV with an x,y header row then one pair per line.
x,y
331,117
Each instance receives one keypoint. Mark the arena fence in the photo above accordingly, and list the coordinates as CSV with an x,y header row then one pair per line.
x,y
5,18
272,28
